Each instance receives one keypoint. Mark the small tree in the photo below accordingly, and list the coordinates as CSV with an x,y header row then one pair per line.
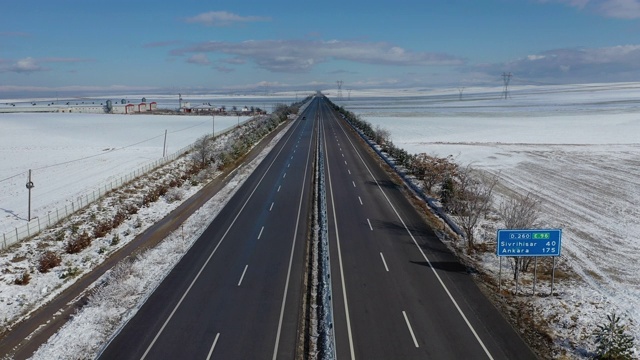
x,y
432,170
612,340
471,201
382,135
202,151
520,212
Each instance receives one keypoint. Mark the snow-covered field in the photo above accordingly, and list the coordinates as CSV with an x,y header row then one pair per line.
x,y
577,148
71,154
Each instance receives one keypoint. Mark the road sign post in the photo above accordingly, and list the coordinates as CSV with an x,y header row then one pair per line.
x,y
529,242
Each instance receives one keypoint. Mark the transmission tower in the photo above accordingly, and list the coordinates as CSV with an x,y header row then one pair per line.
x,y
349,94
506,77
340,82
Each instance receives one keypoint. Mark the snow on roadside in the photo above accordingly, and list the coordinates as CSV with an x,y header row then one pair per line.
x,y
128,285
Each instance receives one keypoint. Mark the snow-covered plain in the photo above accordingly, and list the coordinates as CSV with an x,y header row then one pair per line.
x,y
71,154
576,148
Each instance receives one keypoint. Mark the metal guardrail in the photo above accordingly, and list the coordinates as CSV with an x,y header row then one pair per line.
x,y
409,182
326,328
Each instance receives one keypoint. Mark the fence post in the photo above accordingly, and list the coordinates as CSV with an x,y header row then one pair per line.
x,y
39,224
49,217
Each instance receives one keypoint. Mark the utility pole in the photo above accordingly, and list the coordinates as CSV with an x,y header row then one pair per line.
x,y
29,187
164,146
339,82
461,89
506,77
213,120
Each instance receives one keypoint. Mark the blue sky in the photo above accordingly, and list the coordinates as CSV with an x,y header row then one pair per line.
x,y
90,46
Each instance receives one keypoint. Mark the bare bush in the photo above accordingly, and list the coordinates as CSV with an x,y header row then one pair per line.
x,y
48,260
470,200
202,151
433,170
22,279
78,243
102,229
520,212
382,135
174,194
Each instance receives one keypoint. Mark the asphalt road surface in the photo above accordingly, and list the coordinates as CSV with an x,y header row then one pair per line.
x,y
236,294
398,293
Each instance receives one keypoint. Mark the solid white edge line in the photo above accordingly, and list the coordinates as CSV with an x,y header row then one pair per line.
x,y
424,256
293,247
384,262
413,336
370,227
213,346
184,295
242,276
261,230
344,287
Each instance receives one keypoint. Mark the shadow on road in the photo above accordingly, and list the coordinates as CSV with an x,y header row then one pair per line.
x,y
386,184
449,266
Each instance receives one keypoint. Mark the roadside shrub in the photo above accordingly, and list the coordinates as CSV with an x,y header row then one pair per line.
x,y
115,240
131,209
78,243
102,229
174,194
612,340
118,219
22,279
48,260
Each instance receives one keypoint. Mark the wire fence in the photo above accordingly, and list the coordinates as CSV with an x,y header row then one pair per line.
x,y
38,224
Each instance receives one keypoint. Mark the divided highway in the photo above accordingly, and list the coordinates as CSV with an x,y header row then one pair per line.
x,y
398,293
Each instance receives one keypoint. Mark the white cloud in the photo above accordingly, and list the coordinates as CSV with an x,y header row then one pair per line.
x,y
26,65
615,63
223,18
302,55
620,9
199,59
30,65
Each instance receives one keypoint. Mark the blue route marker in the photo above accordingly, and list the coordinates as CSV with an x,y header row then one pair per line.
x,y
527,242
